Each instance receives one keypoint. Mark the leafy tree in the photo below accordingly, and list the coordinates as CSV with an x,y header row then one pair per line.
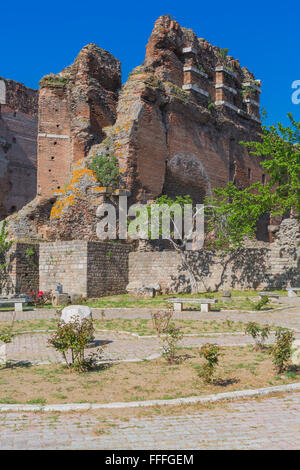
x,y
179,239
233,213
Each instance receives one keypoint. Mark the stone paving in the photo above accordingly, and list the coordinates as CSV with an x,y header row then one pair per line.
x,y
34,347
269,423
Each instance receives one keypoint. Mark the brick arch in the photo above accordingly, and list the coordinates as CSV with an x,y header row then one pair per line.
x,y
185,174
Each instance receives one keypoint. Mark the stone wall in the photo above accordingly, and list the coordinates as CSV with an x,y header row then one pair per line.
x,y
92,269
74,106
256,268
23,268
18,146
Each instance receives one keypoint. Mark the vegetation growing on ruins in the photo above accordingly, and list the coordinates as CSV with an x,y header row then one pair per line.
x,y
106,169
55,81
232,214
222,54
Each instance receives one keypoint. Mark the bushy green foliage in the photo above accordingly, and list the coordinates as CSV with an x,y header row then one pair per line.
x,y
282,349
222,53
106,168
211,353
258,333
71,339
233,213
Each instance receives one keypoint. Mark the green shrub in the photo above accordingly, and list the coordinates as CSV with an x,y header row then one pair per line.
x,y
282,350
71,339
223,54
106,168
211,353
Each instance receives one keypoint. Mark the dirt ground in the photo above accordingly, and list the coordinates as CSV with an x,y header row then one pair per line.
x,y
239,368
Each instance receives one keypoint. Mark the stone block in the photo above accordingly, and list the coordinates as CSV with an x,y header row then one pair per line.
x,y
60,299
72,312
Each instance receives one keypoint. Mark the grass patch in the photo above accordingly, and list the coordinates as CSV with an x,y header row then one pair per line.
x,y
241,300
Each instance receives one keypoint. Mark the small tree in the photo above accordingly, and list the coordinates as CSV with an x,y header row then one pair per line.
x,y
258,333
168,333
5,245
233,213
172,337
211,353
71,339
180,240
282,349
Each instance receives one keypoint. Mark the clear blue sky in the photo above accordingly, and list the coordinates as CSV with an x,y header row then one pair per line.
x,y
41,37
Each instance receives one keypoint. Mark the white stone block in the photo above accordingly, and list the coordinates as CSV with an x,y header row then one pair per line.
x,y
76,311
18,307
177,306
205,308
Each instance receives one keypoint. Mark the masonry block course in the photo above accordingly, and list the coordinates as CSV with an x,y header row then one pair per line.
x,y
22,268
256,268
92,269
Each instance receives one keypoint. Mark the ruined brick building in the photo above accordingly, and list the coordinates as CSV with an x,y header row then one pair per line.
x,y
18,146
175,127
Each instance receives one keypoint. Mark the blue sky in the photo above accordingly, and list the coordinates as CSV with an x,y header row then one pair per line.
x,y
42,37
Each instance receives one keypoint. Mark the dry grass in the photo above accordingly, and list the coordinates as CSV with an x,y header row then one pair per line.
x,y
240,368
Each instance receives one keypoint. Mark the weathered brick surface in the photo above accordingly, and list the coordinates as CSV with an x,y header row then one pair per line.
x,y
18,146
92,269
74,106
169,137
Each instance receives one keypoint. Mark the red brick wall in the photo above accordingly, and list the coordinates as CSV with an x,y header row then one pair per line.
x,y
18,152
